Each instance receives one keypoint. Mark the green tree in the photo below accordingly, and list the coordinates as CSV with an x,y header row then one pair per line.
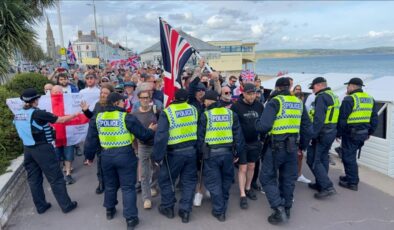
x,y
17,18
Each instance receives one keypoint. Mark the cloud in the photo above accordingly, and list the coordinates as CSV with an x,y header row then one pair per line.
x,y
285,39
274,24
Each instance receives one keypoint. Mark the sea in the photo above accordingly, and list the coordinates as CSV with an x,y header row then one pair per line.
x,y
376,64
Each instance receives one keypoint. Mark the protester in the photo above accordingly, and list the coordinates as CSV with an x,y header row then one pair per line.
x,y
62,80
248,111
147,114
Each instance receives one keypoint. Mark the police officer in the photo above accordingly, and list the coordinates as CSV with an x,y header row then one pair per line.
x,y
174,149
324,116
284,119
358,119
32,125
218,129
114,130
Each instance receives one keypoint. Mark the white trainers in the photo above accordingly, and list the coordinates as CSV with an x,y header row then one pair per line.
x,y
207,194
147,204
303,179
197,199
153,192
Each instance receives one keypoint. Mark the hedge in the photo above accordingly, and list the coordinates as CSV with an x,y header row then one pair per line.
x,y
23,81
10,143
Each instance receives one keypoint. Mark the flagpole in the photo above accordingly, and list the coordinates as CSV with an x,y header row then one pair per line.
x,y
199,57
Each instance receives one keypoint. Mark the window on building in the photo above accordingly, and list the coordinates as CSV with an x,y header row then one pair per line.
x,y
247,49
93,53
78,48
381,130
235,48
87,47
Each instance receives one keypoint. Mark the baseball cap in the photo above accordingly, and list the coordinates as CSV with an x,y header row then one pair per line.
x,y
211,95
114,97
283,81
317,81
181,95
355,81
249,87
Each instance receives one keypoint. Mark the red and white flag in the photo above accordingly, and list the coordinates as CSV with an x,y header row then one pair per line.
x,y
69,133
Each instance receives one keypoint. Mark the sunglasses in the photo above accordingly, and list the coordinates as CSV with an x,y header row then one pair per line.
x,y
144,98
105,81
201,90
226,93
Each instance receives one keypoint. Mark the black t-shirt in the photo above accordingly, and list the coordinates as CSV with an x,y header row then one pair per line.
x,y
41,117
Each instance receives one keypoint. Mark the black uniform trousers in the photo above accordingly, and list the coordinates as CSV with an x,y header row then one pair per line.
x,y
318,160
279,190
182,164
42,159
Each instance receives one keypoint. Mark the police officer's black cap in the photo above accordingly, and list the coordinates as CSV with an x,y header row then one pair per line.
x,y
355,81
181,95
114,97
249,87
29,95
201,86
317,81
211,95
283,81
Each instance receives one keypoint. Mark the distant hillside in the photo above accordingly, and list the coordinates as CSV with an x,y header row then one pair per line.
x,y
286,53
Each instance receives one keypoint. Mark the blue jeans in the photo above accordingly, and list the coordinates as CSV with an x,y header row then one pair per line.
x,y
65,153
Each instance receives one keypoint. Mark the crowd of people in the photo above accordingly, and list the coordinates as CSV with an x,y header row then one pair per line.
x,y
214,124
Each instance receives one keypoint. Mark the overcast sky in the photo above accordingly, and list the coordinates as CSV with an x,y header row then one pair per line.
x,y
273,24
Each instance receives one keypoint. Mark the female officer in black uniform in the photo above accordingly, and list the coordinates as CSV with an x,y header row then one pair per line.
x,y
33,128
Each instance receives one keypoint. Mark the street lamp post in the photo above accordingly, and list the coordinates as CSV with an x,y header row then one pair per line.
x,y
95,27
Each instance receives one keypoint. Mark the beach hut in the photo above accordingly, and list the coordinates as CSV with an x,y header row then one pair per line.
x,y
378,151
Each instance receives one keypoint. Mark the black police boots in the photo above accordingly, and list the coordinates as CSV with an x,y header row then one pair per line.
x,y
342,178
100,188
324,193
314,186
167,212
221,217
131,223
72,206
47,206
278,216
110,213
287,211
345,184
184,215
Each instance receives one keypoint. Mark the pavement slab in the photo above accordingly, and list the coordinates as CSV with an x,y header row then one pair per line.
x,y
372,207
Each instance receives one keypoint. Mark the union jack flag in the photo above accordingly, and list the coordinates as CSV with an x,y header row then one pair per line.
x,y
71,54
175,51
247,76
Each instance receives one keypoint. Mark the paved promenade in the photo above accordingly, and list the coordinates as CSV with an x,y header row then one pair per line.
x,y
372,207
